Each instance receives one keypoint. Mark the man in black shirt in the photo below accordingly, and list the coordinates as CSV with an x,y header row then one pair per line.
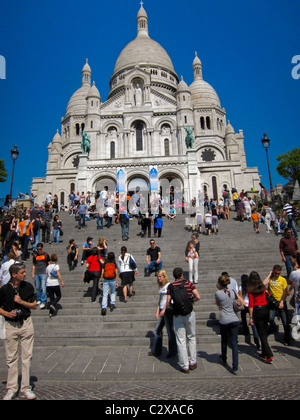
x,y
17,299
153,259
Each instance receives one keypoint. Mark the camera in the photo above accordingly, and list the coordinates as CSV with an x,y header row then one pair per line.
x,y
18,312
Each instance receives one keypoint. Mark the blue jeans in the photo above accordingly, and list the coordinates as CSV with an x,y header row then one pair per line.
x,y
284,315
230,331
166,320
125,229
40,285
153,266
100,225
288,265
36,240
109,285
56,236
81,220
292,225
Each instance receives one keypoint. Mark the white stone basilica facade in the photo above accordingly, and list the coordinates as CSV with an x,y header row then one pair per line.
x,y
141,125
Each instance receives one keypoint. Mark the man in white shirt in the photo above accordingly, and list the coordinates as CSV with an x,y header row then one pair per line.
x,y
110,215
4,271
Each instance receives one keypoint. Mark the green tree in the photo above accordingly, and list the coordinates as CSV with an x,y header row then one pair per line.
x,y
289,165
3,171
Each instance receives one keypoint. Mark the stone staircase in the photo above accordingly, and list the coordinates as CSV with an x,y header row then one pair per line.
x,y
236,249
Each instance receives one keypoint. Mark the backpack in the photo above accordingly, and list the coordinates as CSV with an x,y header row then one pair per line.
x,y
109,271
182,304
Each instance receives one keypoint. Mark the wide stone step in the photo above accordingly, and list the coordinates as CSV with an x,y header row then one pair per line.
x,y
236,249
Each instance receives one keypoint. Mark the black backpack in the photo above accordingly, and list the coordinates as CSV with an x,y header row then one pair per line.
x,y
182,304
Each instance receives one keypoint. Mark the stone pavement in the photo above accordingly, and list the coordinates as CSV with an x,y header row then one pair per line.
x,y
83,372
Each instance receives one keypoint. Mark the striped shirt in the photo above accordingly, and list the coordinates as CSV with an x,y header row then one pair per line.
x,y
188,285
288,208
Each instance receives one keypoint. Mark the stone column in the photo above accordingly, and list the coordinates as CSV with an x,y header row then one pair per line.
x,y
194,180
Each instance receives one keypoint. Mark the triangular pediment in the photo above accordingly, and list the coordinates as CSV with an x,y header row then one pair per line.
x,y
137,72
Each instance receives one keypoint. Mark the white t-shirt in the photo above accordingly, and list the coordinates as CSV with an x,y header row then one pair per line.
x,y
4,272
208,219
52,281
295,277
163,291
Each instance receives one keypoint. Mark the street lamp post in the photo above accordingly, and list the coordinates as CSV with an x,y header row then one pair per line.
x,y
266,144
14,155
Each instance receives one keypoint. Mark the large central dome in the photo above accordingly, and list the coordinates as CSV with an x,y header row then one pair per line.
x,y
143,50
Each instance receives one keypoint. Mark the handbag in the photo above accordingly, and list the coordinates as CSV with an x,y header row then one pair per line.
x,y
132,264
238,305
53,273
86,277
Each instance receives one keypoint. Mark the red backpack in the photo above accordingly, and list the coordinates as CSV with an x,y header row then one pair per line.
x,y
109,271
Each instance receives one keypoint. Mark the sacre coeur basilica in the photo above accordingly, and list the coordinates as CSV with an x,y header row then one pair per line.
x,y
138,136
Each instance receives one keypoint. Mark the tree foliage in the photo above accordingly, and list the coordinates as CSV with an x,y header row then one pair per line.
x,y
3,171
289,165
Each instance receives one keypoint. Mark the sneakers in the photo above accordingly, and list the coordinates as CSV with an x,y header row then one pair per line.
x,y
29,395
103,312
42,306
10,396
193,366
269,360
52,311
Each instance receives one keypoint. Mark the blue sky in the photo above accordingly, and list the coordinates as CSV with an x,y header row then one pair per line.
x,y
246,49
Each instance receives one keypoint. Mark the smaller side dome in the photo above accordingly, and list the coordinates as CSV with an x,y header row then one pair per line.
x,y
229,129
182,86
93,92
57,138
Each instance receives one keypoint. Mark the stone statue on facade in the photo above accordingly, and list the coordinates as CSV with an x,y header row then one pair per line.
x,y
189,139
85,143
138,96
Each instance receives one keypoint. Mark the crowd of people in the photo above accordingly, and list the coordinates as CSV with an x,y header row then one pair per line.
x,y
261,299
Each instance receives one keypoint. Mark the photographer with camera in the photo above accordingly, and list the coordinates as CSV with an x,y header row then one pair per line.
x,y
17,299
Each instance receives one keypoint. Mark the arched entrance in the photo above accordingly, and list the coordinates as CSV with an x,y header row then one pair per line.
x,y
137,182
171,192
110,183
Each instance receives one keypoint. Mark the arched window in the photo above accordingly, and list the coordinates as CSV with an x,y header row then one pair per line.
x,y
112,150
62,198
72,187
167,147
208,123
202,123
77,127
139,136
215,188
